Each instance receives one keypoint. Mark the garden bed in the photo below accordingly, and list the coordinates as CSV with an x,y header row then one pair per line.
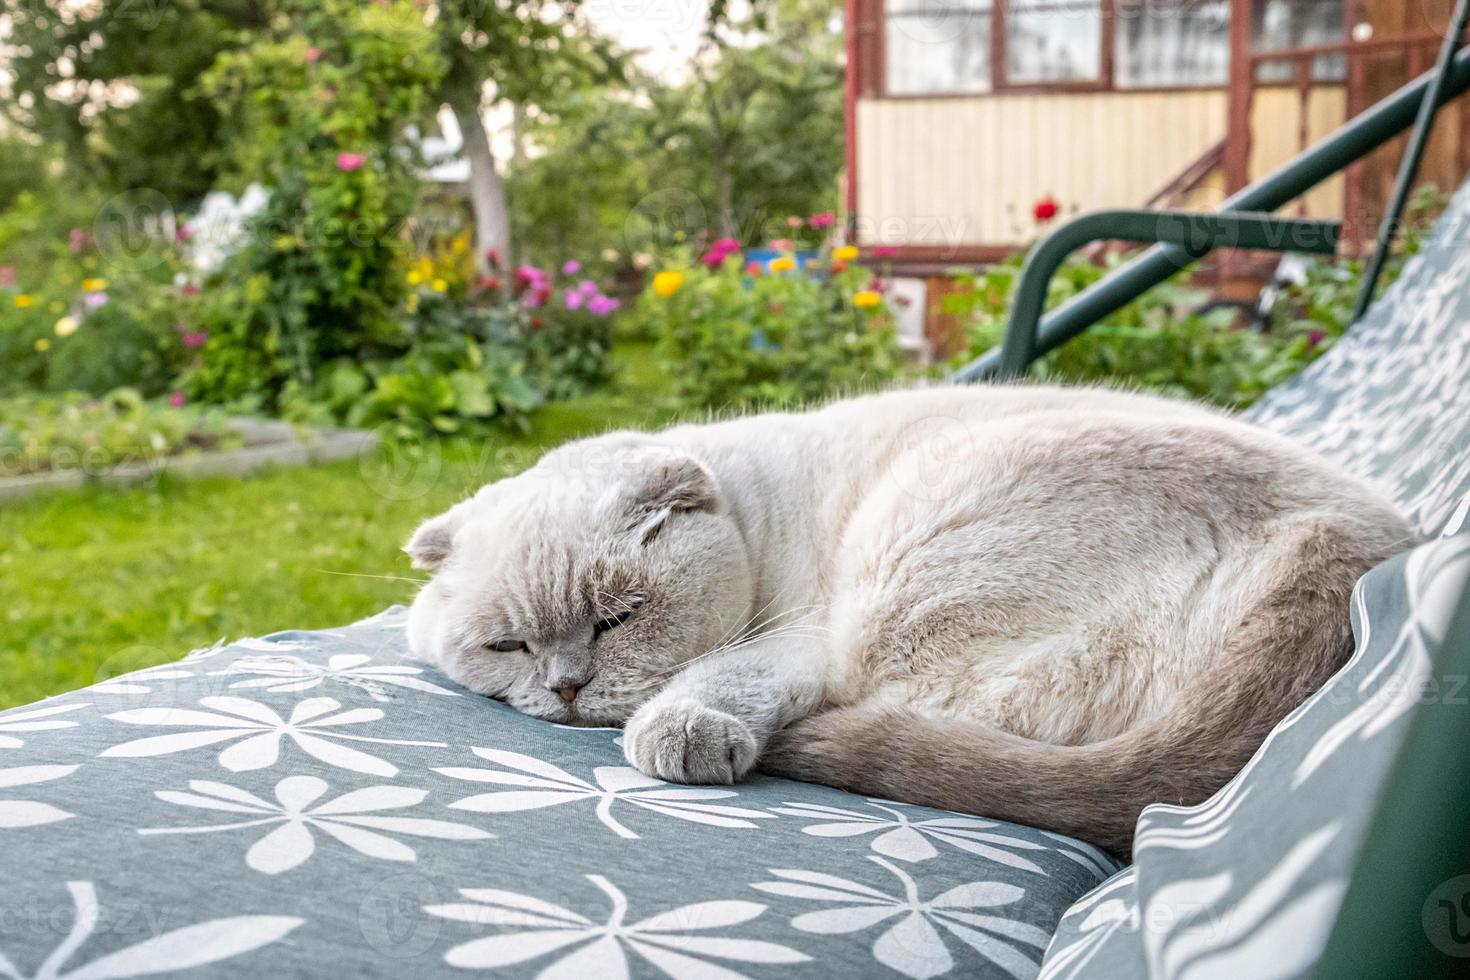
x,y
261,443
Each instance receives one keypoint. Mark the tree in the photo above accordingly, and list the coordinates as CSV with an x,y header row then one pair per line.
x,y
524,52
114,86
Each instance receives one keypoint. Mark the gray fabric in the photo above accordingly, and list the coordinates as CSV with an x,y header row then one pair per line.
x,y
312,804
1248,883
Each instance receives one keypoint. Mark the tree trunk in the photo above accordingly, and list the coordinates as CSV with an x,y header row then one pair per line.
x,y
725,191
487,191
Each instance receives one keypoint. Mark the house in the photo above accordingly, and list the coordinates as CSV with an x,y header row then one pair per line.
x,y
963,115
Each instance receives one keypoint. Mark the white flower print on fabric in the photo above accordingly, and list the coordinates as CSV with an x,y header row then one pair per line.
x,y
180,949
911,944
540,784
257,730
34,720
30,813
290,675
909,840
599,949
353,818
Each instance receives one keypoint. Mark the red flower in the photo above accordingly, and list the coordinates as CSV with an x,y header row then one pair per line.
x,y
537,323
493,255
1046,209
190,289
884,251
1315,337
752,268
492,283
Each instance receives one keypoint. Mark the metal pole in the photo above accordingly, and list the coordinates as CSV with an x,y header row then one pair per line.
x,y
1434,97
1197,234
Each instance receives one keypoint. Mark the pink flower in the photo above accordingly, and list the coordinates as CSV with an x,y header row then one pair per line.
x,y
726,245
884,251
1315,338
7,275
587,288
784,245
190,289
571,267
184,233
176,400
600,305
313,55
348,162
573,299
195,339
824,219
77,240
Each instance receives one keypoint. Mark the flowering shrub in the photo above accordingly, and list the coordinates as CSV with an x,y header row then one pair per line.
x,y
72,431
732,334
323,101
471,349
75,320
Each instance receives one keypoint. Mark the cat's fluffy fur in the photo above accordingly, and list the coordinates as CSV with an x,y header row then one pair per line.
x,y
1046,605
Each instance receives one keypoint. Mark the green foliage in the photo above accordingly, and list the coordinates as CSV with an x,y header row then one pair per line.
x,y
44,433
729,339
753,136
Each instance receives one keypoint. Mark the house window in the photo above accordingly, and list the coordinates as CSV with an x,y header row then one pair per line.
x,y
937,47
1051,41
1172,43
1279,25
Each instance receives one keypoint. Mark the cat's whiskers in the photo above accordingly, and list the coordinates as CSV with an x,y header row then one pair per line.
x,y
386,578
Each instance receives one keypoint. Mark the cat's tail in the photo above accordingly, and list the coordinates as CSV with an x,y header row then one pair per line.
x,y
1294,637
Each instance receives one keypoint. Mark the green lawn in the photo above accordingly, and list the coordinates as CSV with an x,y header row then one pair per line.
x,y
97,583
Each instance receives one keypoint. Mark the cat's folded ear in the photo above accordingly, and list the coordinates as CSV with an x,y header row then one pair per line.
x,y
429,546
671,483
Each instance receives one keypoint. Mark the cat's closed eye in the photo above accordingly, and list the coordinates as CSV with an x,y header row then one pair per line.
x,y
505,646
613,622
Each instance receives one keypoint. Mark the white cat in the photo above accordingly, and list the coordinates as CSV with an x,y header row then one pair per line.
x,y
1046,605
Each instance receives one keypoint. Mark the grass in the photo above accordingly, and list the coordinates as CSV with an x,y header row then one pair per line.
x,y
100,582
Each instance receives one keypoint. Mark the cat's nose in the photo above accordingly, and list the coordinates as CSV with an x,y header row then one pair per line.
x,y
568,692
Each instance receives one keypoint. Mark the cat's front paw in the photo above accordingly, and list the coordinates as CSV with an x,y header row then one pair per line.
x,y
686,742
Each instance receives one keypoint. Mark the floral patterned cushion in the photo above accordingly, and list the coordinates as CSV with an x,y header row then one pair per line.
x,y
314,804
1248,883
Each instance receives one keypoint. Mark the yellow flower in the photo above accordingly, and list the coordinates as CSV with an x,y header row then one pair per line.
x,y
667,283
440,285
783,263
425,266
461,244
42,345
94,285
66,326
867,299
415,277
845,254
23,301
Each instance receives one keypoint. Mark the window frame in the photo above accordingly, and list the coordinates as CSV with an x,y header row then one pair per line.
x,y
999,56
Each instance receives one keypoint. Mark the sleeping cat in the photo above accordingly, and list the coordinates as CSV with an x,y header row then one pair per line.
x,y
1045,605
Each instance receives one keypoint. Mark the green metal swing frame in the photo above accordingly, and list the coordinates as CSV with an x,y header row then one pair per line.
x,y
1419,837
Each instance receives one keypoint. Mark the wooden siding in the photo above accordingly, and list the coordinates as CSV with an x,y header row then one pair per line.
x,y
946,172
1276,119
965,172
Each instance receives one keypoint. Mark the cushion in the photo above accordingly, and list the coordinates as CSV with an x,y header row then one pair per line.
x,y
1248,883
316,804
